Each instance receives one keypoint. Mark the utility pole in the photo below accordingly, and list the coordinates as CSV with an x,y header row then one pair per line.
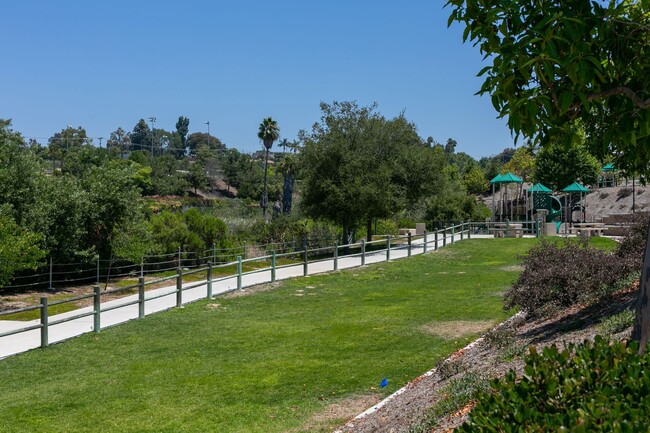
x,y
152,120
208,123
100,142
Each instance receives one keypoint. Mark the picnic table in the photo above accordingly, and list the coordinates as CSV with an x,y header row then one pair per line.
x,y
510,230
588,229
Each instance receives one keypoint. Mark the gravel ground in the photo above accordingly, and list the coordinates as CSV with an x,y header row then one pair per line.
x,y
485,357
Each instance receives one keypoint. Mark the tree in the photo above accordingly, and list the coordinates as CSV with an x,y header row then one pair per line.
x,y
475,182
62,142
558,166
19,248
356,165
288,167
197,177
182,128
141,137
199,140
268,132
119,141
554,63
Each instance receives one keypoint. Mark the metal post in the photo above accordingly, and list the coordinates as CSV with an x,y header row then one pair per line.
x,y
425,242
273,266
44,323
305,270
141,297
453,231
50,287
388,248
239,272
444,237
179,287
97,306
469,230
435,241
210,280
462,226
363,252
336,256
409,248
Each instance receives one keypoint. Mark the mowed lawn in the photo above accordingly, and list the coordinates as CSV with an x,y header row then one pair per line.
x,y
300,357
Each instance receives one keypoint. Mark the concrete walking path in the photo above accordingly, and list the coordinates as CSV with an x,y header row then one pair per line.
x,y
24,341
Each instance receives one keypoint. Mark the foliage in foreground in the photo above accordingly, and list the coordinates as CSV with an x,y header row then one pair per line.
x,y
591,387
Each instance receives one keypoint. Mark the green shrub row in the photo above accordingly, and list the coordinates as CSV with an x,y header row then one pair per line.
x,y
592,387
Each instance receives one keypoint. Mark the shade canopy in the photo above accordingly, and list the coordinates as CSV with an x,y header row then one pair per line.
x,y
538,187
609,167
575,187
506,178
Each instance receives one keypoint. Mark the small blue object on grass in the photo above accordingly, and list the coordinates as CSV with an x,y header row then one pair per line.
x,y
384,383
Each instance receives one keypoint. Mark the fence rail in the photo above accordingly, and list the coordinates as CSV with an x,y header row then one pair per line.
x,y
428,241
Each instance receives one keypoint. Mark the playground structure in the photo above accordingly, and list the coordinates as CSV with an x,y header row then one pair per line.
x,y
537,202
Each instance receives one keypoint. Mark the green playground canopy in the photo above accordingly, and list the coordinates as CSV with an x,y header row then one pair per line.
x,y
609,167
538,187
575,187
506,178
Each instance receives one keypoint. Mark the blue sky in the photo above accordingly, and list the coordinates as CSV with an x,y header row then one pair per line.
x,y
106,64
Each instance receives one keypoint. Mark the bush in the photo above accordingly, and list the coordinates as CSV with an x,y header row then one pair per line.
x,y
631,248
560,275
592,387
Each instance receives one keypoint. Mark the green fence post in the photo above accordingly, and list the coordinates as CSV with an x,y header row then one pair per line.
x,y
97,306
453,232
305,270
425,242
435,240
388,248
239,272
409,248
444,237
336,256
141,297
209,280
469,230
363,252
44,323
179,287
273,265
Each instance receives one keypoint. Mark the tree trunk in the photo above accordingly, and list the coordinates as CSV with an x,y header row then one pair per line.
x,y
265,197
287,194
369,230
641,331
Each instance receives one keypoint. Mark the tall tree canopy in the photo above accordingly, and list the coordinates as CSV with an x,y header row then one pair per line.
x,y
356,165
552,63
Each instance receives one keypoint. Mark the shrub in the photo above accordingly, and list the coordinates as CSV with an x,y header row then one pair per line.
x,y
592,387
618,322
632,246
623,192
560,275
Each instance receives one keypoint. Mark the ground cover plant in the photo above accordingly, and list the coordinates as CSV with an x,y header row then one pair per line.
x,y
273,361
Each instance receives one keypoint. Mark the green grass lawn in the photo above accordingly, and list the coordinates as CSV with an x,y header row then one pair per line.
x,y
268,362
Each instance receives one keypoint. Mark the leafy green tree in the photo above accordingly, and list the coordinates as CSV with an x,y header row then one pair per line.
x,y
70,138
268,132
356,165
554,63
200,140
558,166
475,182
19,248
20,171
182,128
288,167
196,177
119,142
141,137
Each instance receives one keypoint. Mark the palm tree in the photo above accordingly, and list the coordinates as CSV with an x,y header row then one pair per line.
x,y
284,143
268,133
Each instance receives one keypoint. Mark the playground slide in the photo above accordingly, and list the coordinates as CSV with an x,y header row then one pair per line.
x,y
554,208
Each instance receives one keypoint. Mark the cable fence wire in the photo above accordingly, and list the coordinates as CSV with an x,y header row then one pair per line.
x,y
52,275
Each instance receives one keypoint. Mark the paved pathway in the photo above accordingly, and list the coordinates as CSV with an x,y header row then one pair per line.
x,y
22,342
